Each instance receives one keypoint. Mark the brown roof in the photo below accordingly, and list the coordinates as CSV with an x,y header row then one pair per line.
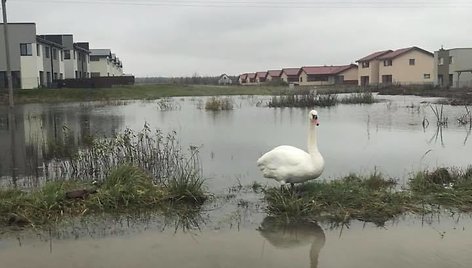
x,y
374,55
330,70
291,71
402,51
274,73
251,75
261,74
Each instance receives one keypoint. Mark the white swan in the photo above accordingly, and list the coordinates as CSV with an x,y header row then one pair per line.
x,y
288,164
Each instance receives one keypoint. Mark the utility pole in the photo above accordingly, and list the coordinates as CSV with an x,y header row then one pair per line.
x,y
11,116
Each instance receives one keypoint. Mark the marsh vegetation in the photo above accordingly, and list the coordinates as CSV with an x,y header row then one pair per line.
x,y
374,198
310,98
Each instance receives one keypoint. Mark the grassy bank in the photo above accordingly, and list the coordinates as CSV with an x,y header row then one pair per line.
x,y
374,198
147,92
454,96
126,189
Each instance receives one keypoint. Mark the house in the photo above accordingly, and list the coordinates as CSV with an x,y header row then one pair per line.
x,y
261,77
242,79
24,60
368,72
411,65
224,80
328,75
251,79
290,75
453,67
104,63
50,58
75,55
273,75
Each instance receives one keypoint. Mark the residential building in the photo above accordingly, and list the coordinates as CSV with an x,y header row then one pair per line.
x,y
290,75
261,77
328,75
224,80
242,79
273,75
105,63
453,67
251,79
50,60
24,61
75,55
368,72
411,65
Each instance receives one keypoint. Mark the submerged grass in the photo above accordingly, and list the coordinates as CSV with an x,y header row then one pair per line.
x,y
373,198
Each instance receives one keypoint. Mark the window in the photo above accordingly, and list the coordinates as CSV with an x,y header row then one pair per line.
x,y
26,49
387,62
92,58
427,76
441,61
76,74
67,54
387,79
365,64
55,76
62,55
74,55
46,52
38,50
61,76
412,61
451,60
54,53
301,79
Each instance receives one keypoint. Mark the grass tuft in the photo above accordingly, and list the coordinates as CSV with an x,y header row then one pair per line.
x,y
219,104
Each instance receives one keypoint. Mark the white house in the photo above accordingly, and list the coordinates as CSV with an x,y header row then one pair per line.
x,y
224,80
104,63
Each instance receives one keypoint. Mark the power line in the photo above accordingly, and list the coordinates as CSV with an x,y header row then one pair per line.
x,y
267,4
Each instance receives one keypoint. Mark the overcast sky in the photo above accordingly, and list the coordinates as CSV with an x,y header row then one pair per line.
x,y
210,37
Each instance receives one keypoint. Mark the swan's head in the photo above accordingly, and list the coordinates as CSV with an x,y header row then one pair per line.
x,y
313,115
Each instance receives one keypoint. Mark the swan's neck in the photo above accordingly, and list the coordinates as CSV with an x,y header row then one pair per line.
x,y
312,142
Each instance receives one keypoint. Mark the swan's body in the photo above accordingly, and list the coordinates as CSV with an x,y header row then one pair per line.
x,y
288,164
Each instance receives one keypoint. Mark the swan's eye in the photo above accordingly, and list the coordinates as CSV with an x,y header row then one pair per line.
x,y
315,117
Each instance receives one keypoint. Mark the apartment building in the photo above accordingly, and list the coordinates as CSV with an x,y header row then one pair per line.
x,y
104,63
453,67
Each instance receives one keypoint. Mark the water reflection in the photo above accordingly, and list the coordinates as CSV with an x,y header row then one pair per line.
x,y
292,235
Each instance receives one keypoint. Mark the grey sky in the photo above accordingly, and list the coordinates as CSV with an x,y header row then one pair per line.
x,y
175,40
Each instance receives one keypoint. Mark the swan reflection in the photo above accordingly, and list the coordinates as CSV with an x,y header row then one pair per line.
x,y
292,235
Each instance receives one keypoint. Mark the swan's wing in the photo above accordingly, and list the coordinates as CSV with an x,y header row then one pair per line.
x,y
283,162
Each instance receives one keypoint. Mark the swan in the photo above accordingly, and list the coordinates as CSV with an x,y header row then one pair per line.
x,y
288,164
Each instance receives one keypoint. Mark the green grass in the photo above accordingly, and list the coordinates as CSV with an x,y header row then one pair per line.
x,y
127,189
373,198
308,98
359,98
149,92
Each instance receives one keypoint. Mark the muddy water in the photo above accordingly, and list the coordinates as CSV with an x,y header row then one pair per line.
x,y
444,243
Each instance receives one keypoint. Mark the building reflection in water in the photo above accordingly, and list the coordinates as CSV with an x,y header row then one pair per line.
x,y
38,125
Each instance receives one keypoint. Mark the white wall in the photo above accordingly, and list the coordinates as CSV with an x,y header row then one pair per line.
x,y
29,69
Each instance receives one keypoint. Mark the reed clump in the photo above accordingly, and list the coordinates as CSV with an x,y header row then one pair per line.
x,y
219,104
309,98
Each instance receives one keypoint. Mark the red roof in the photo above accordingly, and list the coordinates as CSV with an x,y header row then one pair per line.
x,y
313,70
375,55
401,51
291,71
251,75
243,76
261,74
274,73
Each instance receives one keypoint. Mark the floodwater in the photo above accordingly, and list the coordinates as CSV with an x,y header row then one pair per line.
x,y
388,136
234,232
